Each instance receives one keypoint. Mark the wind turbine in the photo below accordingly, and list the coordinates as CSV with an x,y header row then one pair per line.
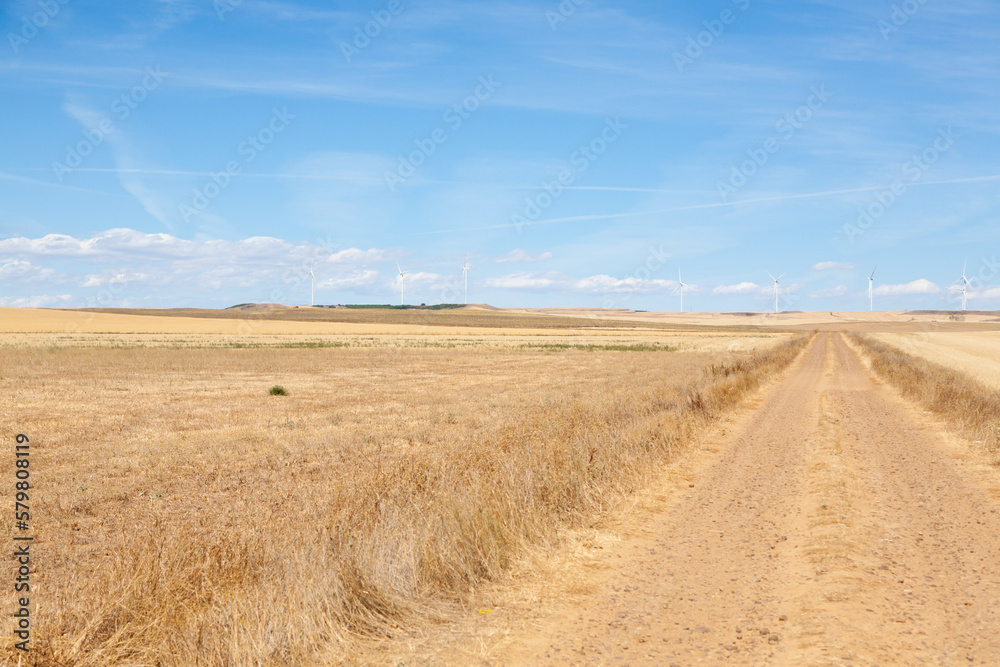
x,y
776,280
680,286
401,274
465,273
965,285
312,294
871,281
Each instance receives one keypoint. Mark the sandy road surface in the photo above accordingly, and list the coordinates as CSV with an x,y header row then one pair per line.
x,y
834,526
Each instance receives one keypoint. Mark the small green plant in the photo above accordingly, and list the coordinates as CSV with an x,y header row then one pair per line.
x,y
278,390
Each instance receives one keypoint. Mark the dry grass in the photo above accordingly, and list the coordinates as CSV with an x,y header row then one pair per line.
x,y
187,517
972,406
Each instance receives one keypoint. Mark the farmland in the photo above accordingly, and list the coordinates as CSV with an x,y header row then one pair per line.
x,y
184,513
977,354
279,491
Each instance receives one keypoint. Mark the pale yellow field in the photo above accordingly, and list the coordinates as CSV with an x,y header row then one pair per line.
x,y
798,319
54,328
976,353
184,515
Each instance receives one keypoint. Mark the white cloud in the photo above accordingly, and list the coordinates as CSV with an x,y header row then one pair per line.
x,y
603,284
988,293
34,301
528,281
355,256
599,284
366,278
125,244
20,268
257,268
921,286
740,288
830,266
519,255
839,290
421,277
118,278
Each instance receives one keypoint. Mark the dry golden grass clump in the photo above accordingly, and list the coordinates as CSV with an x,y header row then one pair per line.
x,y
185,516
966,402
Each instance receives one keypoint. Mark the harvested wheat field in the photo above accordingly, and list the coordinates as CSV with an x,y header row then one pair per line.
x,y
185,514
974,353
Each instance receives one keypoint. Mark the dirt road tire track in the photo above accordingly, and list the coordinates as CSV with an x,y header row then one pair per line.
x,y
833,527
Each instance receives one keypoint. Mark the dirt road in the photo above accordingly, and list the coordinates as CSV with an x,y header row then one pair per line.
x,y
834,526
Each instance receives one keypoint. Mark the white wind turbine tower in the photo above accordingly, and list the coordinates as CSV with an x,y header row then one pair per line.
x,y
871,299
401,274
312,294
776,281
965,285
465,273
680,286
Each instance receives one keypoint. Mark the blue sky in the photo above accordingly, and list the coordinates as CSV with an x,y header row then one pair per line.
x,y
181,153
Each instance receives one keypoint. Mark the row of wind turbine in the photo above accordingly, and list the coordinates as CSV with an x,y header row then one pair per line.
x,y
681,286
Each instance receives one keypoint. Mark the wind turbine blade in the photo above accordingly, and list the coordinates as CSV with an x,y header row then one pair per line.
x,y
781,276
772,277
873,272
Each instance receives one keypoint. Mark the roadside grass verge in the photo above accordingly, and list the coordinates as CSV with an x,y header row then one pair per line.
x,y
260,550
971,406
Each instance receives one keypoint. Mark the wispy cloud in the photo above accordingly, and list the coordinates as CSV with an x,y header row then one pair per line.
x,y
831,266
529,281
554,281
738,288
829,293
128,174
519,255
714,205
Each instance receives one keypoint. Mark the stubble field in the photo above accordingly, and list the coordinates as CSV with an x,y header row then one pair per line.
x,y
974,353
185,516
